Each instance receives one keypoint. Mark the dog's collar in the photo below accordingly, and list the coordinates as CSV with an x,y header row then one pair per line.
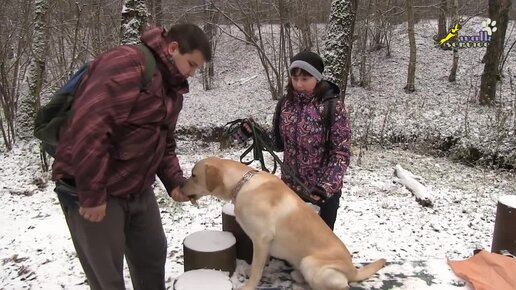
x,y
248,175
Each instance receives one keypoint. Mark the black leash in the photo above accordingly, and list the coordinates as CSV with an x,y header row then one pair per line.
x,y
262,142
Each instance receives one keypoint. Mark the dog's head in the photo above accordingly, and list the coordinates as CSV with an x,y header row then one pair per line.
x,y
206,179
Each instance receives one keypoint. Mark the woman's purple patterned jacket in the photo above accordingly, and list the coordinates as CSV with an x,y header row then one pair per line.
x,y
301,130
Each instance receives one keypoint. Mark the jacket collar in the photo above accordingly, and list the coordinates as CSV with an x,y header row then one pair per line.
x,y
155,39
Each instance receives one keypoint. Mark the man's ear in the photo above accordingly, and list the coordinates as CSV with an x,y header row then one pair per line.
x,y
213,177
172,47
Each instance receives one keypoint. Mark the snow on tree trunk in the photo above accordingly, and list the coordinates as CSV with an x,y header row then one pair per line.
x,y
30,102
339,42
498,11
134,19
408,179
411,73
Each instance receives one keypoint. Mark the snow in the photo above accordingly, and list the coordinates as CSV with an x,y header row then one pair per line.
x,y
229,209
377,217
203,279
209,241
508,200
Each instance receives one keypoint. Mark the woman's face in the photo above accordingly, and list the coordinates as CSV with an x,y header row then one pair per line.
x,y
303,83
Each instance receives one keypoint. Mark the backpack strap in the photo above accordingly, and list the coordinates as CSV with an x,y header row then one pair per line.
x,y
275,125
329,119
150,66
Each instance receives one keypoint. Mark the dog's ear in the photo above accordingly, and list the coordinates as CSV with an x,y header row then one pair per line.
x,y
213,177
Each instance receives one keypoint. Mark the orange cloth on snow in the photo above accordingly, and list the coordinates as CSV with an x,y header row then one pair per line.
x,y
487,271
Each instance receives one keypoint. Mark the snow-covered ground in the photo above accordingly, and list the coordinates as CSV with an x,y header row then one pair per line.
x,y
377,218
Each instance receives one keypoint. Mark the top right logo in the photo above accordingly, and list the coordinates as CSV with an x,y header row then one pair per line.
x,y
489,26
454,40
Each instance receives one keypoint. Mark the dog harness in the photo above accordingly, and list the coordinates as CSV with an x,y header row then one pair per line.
x,y
247,176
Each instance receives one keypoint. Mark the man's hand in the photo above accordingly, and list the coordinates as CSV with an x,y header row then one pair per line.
x,y
93,214
179,196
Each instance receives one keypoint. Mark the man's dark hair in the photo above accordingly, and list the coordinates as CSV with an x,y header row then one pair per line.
x,y
190,37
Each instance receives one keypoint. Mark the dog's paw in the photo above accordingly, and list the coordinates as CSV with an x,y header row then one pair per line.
x,y
297,277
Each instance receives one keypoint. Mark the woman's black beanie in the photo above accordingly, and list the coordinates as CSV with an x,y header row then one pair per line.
x,y
309,61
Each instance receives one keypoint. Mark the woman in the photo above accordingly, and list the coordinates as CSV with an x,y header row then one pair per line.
x,y
300,126
299,131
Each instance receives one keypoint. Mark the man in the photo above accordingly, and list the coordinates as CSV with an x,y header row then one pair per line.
x,y
118,136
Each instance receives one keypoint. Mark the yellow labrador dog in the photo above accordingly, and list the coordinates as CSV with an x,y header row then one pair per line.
x,y
279,223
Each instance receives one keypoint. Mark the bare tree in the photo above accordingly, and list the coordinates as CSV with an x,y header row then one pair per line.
x,y
498,11
303,20
210,28
513,92
377,27
158,12
363,36
411,73
155,10
443,11
15,39
30,102
134,19
455,16
339,41
270,53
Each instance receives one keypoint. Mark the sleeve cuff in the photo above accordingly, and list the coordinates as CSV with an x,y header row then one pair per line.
x,y
180,181
92,198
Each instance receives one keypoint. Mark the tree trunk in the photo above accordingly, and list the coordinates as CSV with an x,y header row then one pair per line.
x,y
15,37
30,103
151,9
378,25
441,27
364,35
411,74
304,24
453,72
498,11
210,28
282,60
513,92
134,19
158,12
339,42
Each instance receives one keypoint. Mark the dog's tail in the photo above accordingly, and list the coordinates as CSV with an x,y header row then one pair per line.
x,y
368,270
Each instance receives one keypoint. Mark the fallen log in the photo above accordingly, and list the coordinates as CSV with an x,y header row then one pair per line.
x,y
406,178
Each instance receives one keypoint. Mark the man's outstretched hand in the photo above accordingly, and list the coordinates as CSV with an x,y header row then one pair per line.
x,y
179,196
